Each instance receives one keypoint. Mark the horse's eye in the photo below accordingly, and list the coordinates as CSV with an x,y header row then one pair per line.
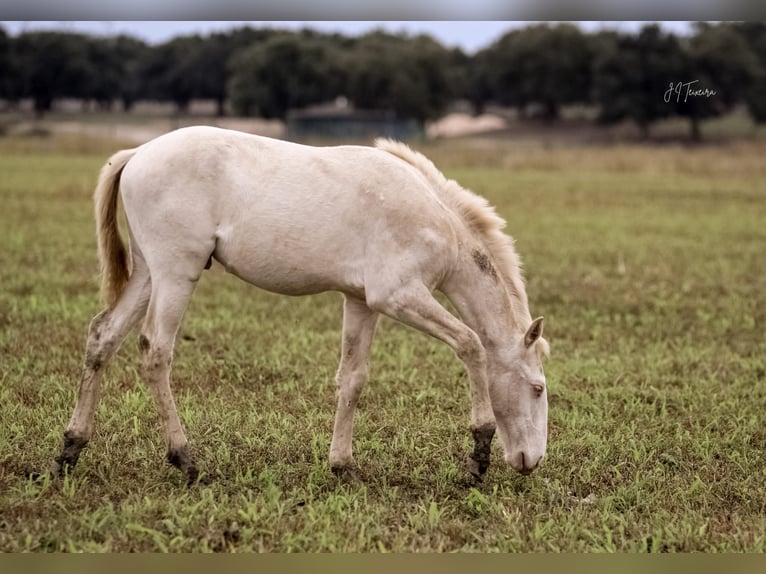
x,y
538,389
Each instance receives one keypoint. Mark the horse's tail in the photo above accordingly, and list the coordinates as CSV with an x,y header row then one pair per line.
x,y
112,254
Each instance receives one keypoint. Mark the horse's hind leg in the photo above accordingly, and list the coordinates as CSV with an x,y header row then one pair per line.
x,y
358,330
170,295
105,334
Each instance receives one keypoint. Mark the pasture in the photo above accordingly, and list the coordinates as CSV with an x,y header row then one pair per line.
x,y
647,263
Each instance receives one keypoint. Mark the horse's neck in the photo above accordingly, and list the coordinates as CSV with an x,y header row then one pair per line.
x,y
479,295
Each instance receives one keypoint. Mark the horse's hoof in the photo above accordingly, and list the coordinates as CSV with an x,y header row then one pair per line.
x,y
192,476
347,474
476,468
195,477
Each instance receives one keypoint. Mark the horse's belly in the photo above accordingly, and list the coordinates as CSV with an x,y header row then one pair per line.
x,y
291,269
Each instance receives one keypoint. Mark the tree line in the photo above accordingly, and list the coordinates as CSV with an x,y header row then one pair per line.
x,y
642,76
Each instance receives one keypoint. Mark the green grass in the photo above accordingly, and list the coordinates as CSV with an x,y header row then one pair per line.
x,y
646,262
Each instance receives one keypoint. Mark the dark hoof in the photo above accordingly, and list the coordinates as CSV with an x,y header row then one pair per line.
x,y
478,460
347,474
192,476
69,456
182,459
476,468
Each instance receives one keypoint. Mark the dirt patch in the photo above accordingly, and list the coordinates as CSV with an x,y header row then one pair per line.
x,y
455,125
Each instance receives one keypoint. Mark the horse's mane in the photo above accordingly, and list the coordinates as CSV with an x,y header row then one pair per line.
x,y
480,217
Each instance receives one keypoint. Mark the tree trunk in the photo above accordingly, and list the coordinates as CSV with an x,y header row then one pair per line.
x,y
478,106
551,111
42,105
182,107
644,128
696,134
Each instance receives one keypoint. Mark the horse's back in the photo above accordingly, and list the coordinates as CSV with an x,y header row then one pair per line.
x,y
287,217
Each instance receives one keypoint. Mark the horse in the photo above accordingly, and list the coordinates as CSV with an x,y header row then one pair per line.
x,y
381,225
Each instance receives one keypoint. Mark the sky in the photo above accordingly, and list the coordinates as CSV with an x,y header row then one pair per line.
x,y
468,35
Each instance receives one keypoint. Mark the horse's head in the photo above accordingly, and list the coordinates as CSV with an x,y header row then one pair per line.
x,y
520,401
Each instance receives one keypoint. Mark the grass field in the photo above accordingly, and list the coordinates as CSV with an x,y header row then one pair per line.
x,y
648,264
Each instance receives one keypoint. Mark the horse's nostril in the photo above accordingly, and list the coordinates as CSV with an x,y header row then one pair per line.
x,y
525,468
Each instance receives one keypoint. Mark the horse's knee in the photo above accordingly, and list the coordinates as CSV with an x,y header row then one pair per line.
x,y
156,357
386,299
100,341
97,323
350,384
469,348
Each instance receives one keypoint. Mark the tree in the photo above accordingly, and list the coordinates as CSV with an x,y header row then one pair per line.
x,y
6,66
544,65
410,76
720,61
129,53
458,73
52,65
633,73
754,34
479,79
182,69
284,72
105,72
210,61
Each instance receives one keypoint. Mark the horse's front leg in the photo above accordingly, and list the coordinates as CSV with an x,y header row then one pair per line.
x,y
414,305
358,330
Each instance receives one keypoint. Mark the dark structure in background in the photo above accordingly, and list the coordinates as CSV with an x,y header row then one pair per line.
x,y
346,123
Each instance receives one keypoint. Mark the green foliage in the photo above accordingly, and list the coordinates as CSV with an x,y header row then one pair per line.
x,y
719,59
754,34
128,55
51,65
107,70
173,71
6,63
538,69
632,74
480,78
646,262
544,65
411,76
284,72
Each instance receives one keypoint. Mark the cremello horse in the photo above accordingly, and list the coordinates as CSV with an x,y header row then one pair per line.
x,y
381,225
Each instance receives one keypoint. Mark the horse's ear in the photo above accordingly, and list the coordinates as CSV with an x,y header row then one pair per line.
x,y
534,332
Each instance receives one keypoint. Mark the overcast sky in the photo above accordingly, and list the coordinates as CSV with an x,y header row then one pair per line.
x,y
469,35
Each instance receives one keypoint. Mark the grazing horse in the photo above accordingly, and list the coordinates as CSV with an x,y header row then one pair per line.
x,y
381,224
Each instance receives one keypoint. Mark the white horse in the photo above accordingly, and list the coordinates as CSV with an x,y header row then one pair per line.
x,y
381,225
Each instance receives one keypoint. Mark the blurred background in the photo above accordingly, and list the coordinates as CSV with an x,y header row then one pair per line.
x,y
587,81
